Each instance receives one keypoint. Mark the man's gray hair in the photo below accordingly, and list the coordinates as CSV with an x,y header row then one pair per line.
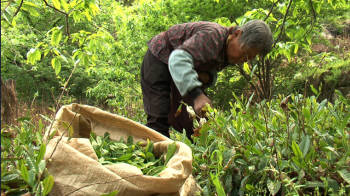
x,y
256,34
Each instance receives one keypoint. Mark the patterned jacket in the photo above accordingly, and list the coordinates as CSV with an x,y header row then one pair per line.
x,y
205,41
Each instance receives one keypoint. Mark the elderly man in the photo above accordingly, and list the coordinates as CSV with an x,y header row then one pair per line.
x,y
182,61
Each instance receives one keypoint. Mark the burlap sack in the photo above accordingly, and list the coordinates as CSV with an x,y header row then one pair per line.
x,y
76,169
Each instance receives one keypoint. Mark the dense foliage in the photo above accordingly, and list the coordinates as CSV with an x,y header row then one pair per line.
x,y
288,146
105,41
90,51
23,168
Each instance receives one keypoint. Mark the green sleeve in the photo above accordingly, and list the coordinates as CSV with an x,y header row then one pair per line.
x,y
182,71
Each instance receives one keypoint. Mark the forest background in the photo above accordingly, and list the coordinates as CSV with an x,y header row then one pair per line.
x,y
57,52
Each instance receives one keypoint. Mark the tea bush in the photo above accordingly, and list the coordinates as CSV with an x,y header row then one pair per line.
x,y
291,145
23,168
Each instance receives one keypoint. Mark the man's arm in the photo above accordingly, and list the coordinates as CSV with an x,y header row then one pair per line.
x,y
182,71
186,78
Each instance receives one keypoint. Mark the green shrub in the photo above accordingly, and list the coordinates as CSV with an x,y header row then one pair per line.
x,y
23,168
287,146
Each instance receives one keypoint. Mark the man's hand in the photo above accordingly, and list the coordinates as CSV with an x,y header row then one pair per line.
x,y
200,102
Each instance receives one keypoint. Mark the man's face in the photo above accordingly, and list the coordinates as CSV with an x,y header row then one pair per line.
x,y
237,54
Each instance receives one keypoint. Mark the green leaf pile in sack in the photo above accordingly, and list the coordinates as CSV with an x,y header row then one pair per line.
x,y
136,154
76,168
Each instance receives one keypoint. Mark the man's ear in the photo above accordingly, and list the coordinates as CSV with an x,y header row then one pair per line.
x,y
237,33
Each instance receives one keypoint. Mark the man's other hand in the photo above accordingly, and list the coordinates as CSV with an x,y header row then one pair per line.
x,y
200,102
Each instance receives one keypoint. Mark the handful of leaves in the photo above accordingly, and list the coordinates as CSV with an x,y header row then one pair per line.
x,y
139,154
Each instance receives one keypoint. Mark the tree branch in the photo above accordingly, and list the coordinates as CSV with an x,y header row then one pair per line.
x,y
314,18
282,26
268,78
67,25
57,10
19,8
248,78
62,12
260,82
273,5
59,100
312,9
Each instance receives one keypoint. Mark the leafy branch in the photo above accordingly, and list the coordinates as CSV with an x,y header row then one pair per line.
x,y
61,96
313,9
273,5
19,8
67,130
66,15
283,23
249,79
312,20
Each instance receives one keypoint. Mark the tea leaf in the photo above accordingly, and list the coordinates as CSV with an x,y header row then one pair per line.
x,y
150,156
48,184
332,150
322,105
41,154
42,166
171,151
273,186
314,90
345,174
313,184
218,186
154,171
10,177
109,152
31,178
24,171
296,150
305,145
114,193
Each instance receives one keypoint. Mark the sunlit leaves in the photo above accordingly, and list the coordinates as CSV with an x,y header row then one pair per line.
x,y
48,183
246,68
56,4
56,65
31,8
64,5
33,55
56,36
